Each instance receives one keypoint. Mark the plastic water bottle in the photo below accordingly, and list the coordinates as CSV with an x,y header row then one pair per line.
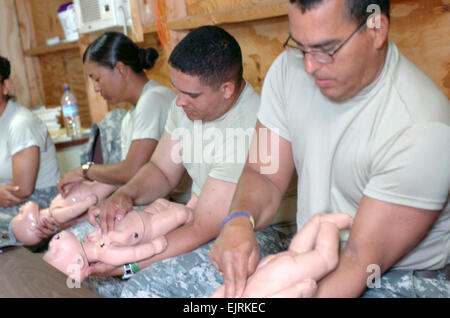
x,y
70,113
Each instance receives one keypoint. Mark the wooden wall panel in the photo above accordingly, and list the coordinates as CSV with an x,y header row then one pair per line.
x,y
421,30
261,42
57,69
204,6
11,48
46,22
147,12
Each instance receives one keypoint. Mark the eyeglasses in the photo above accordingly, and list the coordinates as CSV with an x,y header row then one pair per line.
x,y
322,57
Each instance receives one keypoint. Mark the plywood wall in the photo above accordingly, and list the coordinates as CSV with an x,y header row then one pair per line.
x,y
60,68
54,69
11,48
421,30
204,6
261,42
46,24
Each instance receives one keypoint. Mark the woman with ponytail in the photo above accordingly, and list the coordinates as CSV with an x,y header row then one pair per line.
x,y
116,66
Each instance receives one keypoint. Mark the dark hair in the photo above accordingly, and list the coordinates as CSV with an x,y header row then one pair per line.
x,y
210,53
5,72
5,68
113,47
358,10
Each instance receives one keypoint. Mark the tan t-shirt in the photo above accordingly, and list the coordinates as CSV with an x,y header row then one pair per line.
x,y
146,120
19,130
391,142
218,148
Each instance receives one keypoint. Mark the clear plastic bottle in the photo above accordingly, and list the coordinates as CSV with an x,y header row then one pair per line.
x,y
70,112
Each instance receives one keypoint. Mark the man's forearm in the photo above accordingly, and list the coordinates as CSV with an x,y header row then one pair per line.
x,y
147,185
116,173
257,195
348,280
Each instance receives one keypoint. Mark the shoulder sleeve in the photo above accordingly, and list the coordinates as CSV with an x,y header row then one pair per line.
x,y
272,112
151,115
413,168
26,131
230,172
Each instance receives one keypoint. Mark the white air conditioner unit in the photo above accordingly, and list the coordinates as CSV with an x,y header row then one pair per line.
x,y
97,15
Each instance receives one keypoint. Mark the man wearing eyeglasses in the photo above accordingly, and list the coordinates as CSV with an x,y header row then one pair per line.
x,y
368,134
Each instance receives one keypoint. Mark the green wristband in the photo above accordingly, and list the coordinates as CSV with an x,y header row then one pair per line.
x,y
135,267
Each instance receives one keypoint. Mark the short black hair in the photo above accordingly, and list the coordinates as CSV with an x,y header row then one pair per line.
x,y
5,72
5,68
113,47
358,10
210,53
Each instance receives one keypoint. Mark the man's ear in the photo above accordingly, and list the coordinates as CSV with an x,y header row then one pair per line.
x,y
228,89
378,25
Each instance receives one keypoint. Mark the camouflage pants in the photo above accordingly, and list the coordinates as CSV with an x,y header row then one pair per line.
x,y
411,284
187,275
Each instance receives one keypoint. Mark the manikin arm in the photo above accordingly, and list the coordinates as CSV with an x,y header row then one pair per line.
x,y
118,255
78,200
63,214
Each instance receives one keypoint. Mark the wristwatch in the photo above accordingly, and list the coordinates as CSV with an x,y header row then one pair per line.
x,y
85,167
129,270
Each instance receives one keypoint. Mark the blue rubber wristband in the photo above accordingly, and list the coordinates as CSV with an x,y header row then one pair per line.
x,y
236,214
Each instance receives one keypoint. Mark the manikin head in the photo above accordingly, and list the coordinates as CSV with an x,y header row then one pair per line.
x,y
24,224
66,254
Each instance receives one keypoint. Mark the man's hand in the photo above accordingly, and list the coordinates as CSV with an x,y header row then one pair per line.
x,y
115,207
8,196
68,180
235,254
